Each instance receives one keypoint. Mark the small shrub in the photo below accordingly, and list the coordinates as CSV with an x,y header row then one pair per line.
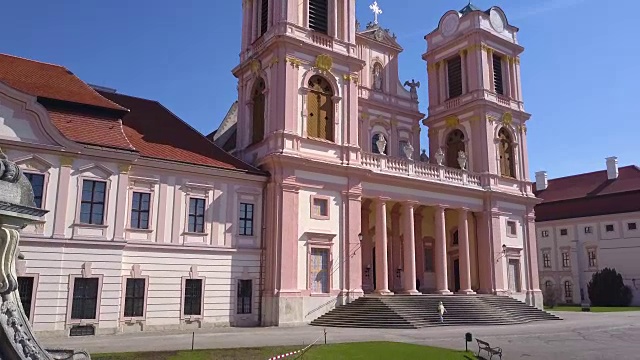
x,y
550,296
607,288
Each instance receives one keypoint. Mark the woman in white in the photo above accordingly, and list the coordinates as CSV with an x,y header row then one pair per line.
x,y
441,311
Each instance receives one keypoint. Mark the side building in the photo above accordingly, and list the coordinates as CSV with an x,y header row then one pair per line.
x,y
588,222
150,225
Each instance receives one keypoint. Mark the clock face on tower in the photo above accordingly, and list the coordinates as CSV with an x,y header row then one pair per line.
x,y
497,22
450,24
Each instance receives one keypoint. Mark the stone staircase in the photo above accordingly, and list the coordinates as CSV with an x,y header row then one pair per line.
x,y
412,312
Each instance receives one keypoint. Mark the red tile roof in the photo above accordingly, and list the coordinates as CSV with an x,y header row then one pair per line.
x,y
91,129
157,133
49,81
590,194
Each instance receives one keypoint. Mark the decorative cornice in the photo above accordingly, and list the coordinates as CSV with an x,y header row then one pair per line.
x,y
351,77
295,63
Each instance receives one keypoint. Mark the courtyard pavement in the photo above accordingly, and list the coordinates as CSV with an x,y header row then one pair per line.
x,y
579,336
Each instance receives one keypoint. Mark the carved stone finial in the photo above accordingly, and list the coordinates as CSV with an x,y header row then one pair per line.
x,y
381,143
439,156
408,151
462,160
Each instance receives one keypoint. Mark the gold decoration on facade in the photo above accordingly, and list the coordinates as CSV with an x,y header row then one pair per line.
x,y
474,118
463,52
66,161
274,61
452,121
523,128
324,62
507,119
124,168
255,66
518,60
491,119
364,116
350,77
416,128
294,62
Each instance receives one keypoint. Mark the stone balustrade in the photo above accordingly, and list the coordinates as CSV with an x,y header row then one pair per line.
x,y
420,170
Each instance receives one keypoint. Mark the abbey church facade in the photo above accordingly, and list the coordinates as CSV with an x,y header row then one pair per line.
x,y
315,193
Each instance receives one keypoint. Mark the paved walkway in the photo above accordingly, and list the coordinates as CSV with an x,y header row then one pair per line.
x,y
580,336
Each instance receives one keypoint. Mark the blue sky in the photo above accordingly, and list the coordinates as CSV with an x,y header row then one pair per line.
x,y
580,69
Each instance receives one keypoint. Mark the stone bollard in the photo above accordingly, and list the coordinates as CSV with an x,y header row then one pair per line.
x,y
17,210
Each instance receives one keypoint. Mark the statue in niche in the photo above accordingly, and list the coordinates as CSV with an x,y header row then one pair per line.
x,y
377,77
413,88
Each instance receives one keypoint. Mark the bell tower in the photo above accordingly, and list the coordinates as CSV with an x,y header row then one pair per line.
x,y
475,94
291,49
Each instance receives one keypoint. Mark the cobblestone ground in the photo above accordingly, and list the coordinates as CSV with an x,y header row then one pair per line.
x,y
578,336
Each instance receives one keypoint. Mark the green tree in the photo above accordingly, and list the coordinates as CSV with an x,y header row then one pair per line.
x,y
607,288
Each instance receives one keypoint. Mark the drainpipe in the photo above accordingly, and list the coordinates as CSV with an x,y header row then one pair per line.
x,y
263,231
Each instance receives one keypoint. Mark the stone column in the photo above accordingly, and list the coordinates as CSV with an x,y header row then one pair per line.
x,y
395,251
534,292
442,81
465,263
255,32
121,202
442,286
463,66
419,245
367,248
382,262
492,83
409,249
354,246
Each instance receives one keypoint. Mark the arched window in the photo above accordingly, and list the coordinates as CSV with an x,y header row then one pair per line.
x,y
455,239
547,285
320,109
507,167
568,290
377,78
455,144
384,146
257,125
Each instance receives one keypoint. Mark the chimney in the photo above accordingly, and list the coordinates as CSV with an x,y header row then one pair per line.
x,y
541,180
612,168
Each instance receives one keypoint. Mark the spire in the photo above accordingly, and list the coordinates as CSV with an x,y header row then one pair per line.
x,y
469,8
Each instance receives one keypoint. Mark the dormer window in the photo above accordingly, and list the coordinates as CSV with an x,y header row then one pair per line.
x,y
319,16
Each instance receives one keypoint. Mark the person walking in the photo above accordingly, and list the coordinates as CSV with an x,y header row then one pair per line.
x,y
441,311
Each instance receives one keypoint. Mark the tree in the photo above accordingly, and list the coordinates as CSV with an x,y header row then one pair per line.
x,y
550,296
607,288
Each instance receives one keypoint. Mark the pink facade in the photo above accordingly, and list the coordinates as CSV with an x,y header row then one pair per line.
x,y
339,133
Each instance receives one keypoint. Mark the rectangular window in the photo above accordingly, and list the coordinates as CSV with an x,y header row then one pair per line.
x,y
25,289
82,330
454,75
632,226
591,253
140,204
497,74
320,208
134,298
428,259
245,290
588,230
319,15
544,233
319,270
564,232
193,297
566,260
609,228
264,16
93,200
546,260
85,298
568,291
246,219
196,215
37,183
512,228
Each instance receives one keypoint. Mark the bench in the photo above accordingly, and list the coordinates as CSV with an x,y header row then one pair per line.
x,y
483,345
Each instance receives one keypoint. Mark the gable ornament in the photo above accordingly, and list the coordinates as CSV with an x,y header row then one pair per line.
x,y
324,62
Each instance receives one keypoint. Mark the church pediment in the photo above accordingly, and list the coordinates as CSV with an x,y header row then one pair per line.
x,y
378,34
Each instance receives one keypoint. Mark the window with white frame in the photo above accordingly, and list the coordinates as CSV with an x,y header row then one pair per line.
x,y
564,232
546,260
245,221
196,215
93,201
609,228
37,183
591,254
140,210
134,299
512,228
244,296
566,259
25,290
319,270
192,297
632,226
85,298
